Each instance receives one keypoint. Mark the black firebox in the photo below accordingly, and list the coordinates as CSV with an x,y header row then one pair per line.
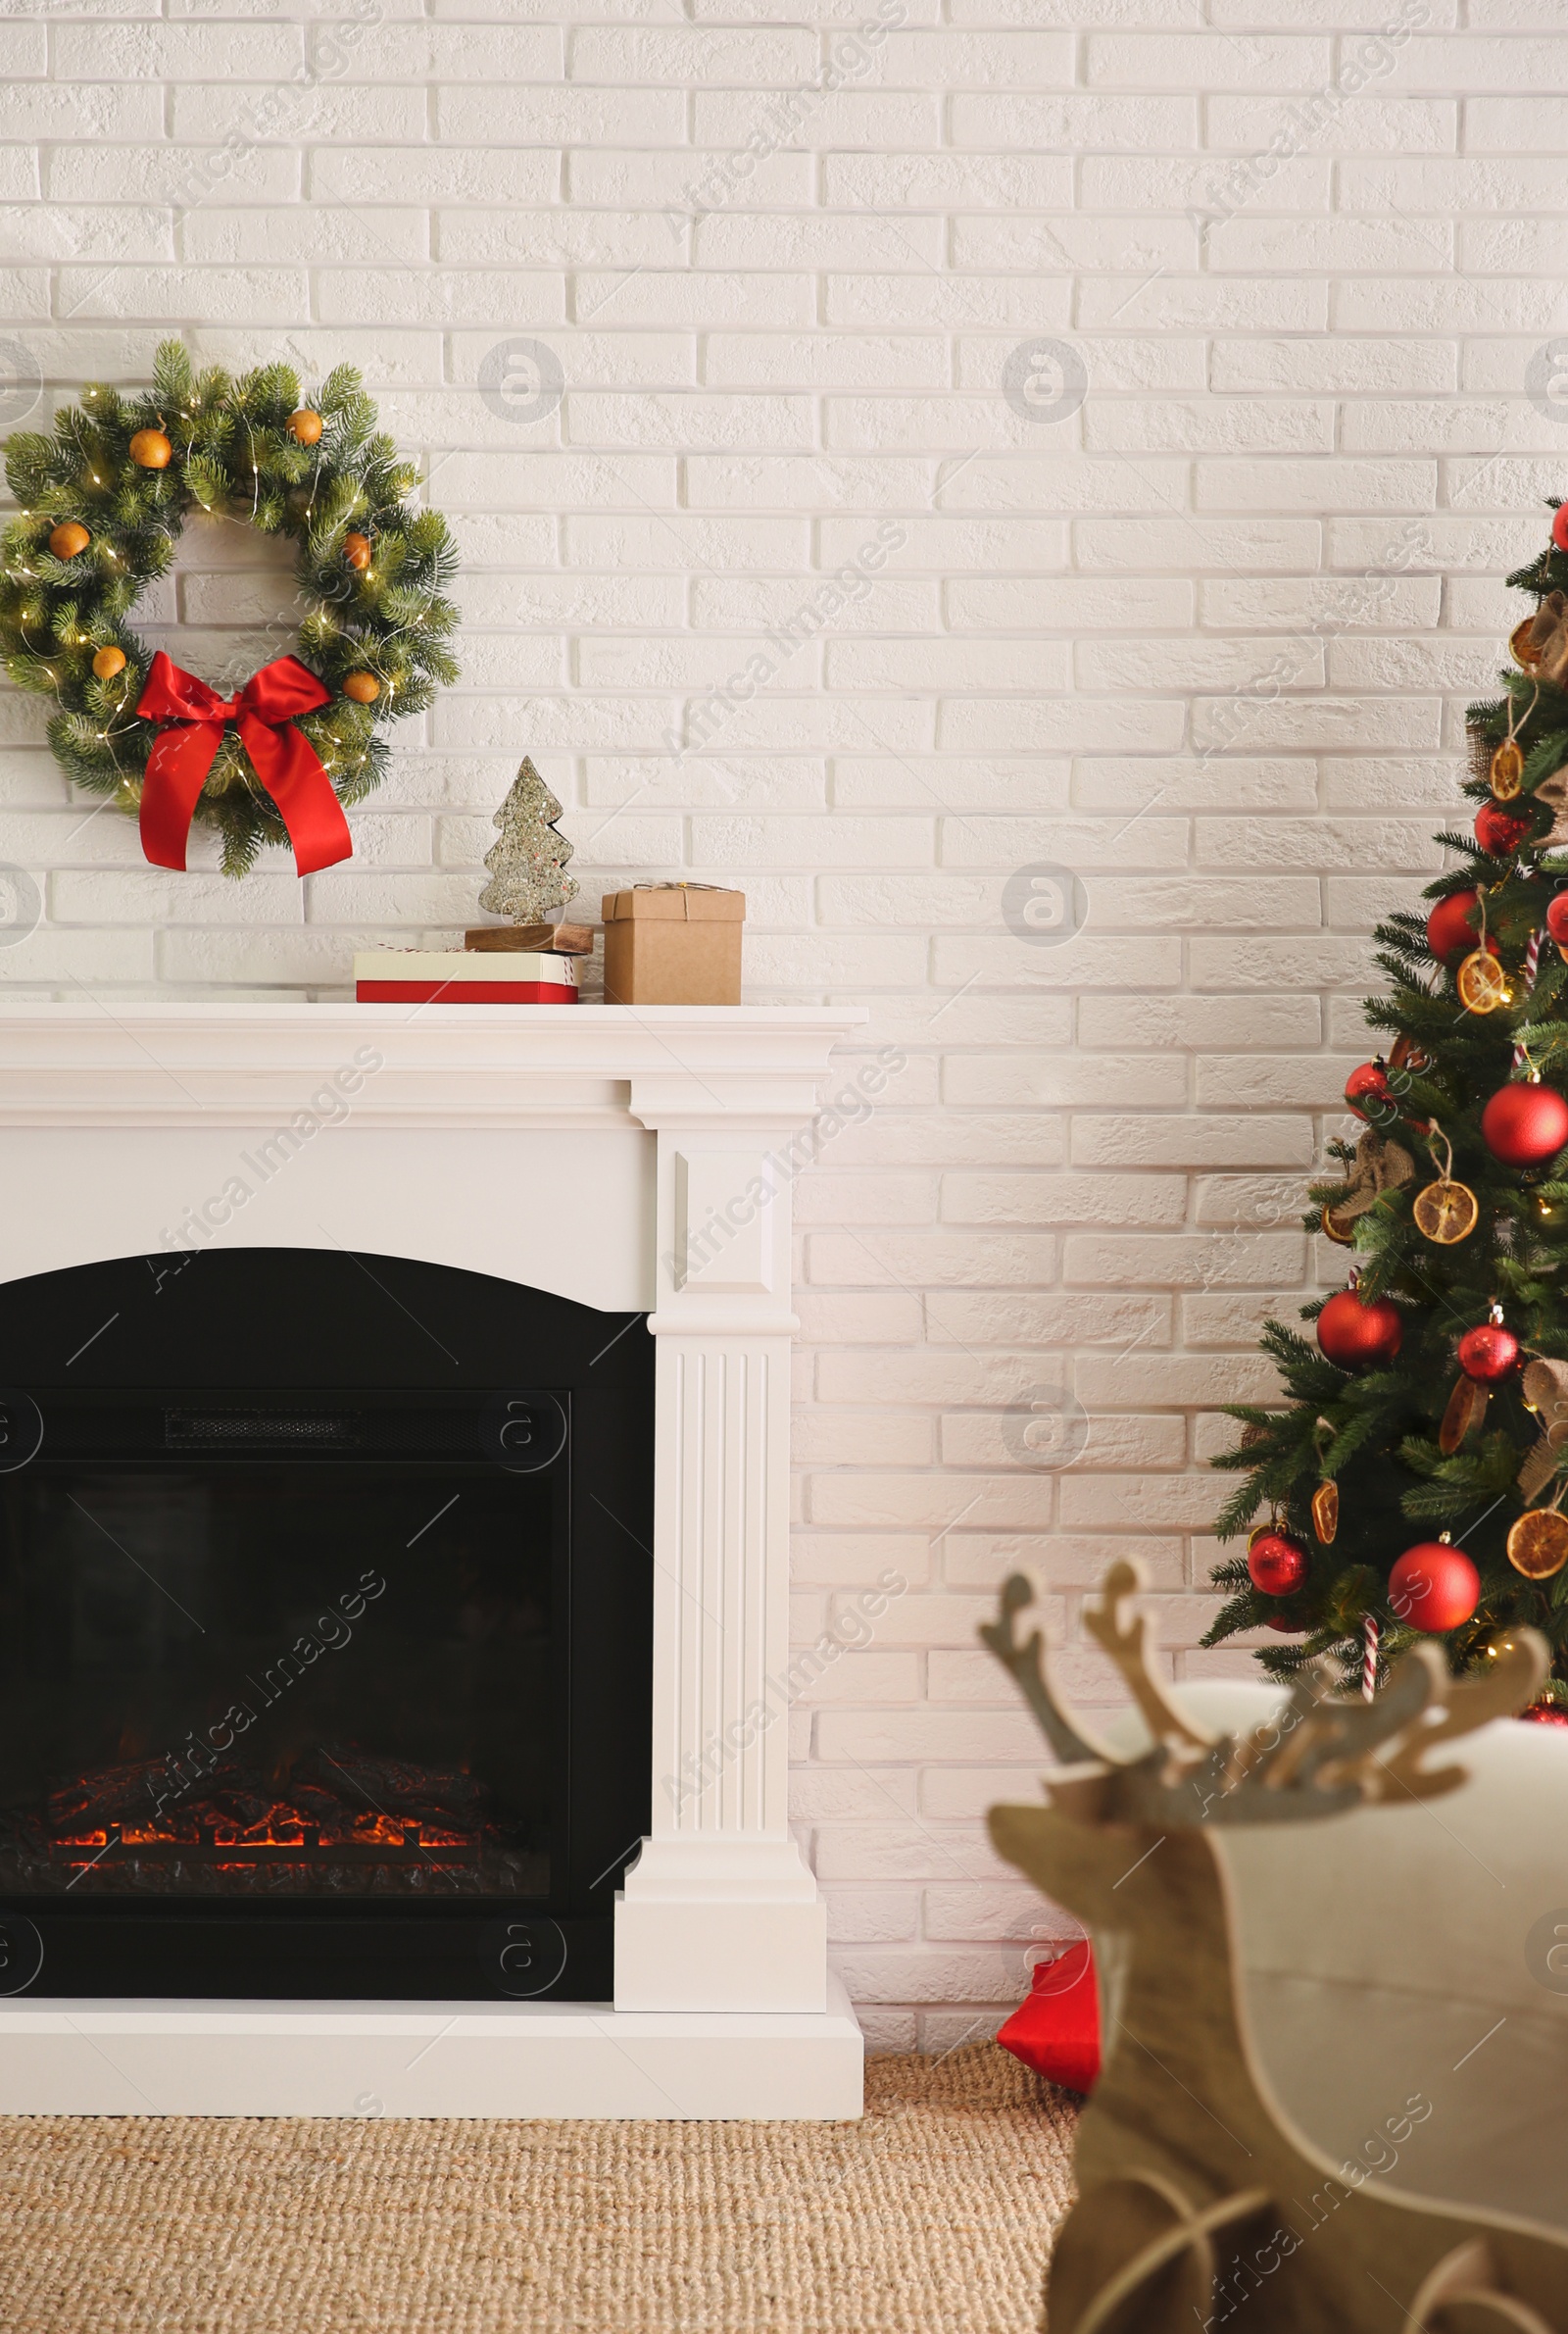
x,y
325,1630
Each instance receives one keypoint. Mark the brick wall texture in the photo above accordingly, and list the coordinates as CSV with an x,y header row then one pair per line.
x,y
1108,423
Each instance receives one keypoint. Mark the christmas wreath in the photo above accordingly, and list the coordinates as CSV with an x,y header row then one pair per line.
x,y
102,504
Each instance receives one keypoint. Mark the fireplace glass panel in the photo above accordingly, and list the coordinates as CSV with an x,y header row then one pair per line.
x,y
280,1653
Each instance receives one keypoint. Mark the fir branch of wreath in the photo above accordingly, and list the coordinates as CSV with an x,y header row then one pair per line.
x,y
236,448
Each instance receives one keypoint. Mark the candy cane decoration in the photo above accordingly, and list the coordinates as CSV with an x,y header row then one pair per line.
x,y
1532,966
1369,1660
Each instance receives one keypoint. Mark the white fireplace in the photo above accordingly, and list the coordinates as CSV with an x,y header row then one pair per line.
x,y
636,1160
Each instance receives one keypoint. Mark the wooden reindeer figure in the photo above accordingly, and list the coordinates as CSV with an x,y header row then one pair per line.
x,y
1190,2174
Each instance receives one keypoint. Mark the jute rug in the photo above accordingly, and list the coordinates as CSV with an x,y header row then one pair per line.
x,y
934,2215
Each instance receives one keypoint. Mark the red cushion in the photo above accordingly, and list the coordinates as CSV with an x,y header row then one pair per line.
x,y
1057,2030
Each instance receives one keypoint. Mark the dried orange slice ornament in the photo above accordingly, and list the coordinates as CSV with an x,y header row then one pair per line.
x,y
1446,1212
1326,1512
1467,1406
1507,771
1482,983
1538,1545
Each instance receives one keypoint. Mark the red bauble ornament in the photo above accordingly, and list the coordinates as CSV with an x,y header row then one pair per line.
x,y
1293,1629
1557,917
1559,526
1546,1714
1368,1084
1454,929
1353,1334
1276,1564
1498,830
1434,1587
1525,1124
1489,1353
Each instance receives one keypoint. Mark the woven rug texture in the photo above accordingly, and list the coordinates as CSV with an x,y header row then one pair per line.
x,y
933,2216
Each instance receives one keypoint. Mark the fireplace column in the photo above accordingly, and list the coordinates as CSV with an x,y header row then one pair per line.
x,y
719,1910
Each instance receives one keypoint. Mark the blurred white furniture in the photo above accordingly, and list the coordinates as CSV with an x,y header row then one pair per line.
x,y
1401,1950
1314,1920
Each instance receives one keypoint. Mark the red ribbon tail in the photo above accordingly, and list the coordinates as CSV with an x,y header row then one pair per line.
x,y
176,772
290,768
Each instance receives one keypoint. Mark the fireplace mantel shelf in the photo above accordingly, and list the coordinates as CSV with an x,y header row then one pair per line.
x,y
456,1066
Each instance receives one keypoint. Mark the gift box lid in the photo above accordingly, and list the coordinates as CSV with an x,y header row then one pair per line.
x,y
675,903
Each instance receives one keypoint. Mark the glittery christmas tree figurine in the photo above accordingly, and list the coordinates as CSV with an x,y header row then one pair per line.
x,y
526,866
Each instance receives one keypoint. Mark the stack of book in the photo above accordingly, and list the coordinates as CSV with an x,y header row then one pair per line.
x,y
497,965
465,976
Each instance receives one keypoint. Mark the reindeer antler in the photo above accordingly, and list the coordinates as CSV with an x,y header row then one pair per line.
x,y
1317,1756
1124,1640
1515,1671
1329,1732
1027,1662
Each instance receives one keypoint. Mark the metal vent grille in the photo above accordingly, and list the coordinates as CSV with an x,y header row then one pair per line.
x,y
186,1429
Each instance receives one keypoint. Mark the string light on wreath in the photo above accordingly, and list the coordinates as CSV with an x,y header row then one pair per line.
x,y
102,504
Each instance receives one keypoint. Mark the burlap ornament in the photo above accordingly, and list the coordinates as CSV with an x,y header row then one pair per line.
x,y
1545,650
1554,791
1381,1164
1544,1387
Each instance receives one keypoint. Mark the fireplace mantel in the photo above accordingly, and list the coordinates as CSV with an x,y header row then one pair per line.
x,y
127,1123
478,1066
637,1158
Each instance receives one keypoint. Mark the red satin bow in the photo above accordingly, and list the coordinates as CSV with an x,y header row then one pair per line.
x,y
285,761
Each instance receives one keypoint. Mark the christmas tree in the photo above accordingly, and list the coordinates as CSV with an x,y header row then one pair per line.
x,y
525,865
1412,1477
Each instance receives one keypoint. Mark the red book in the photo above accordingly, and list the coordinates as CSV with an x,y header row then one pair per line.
x,y
463,976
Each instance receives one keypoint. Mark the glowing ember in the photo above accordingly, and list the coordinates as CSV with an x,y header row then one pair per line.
x,y
344,1821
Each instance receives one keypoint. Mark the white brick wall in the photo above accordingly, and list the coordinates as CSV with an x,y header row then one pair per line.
x,y
1203,639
